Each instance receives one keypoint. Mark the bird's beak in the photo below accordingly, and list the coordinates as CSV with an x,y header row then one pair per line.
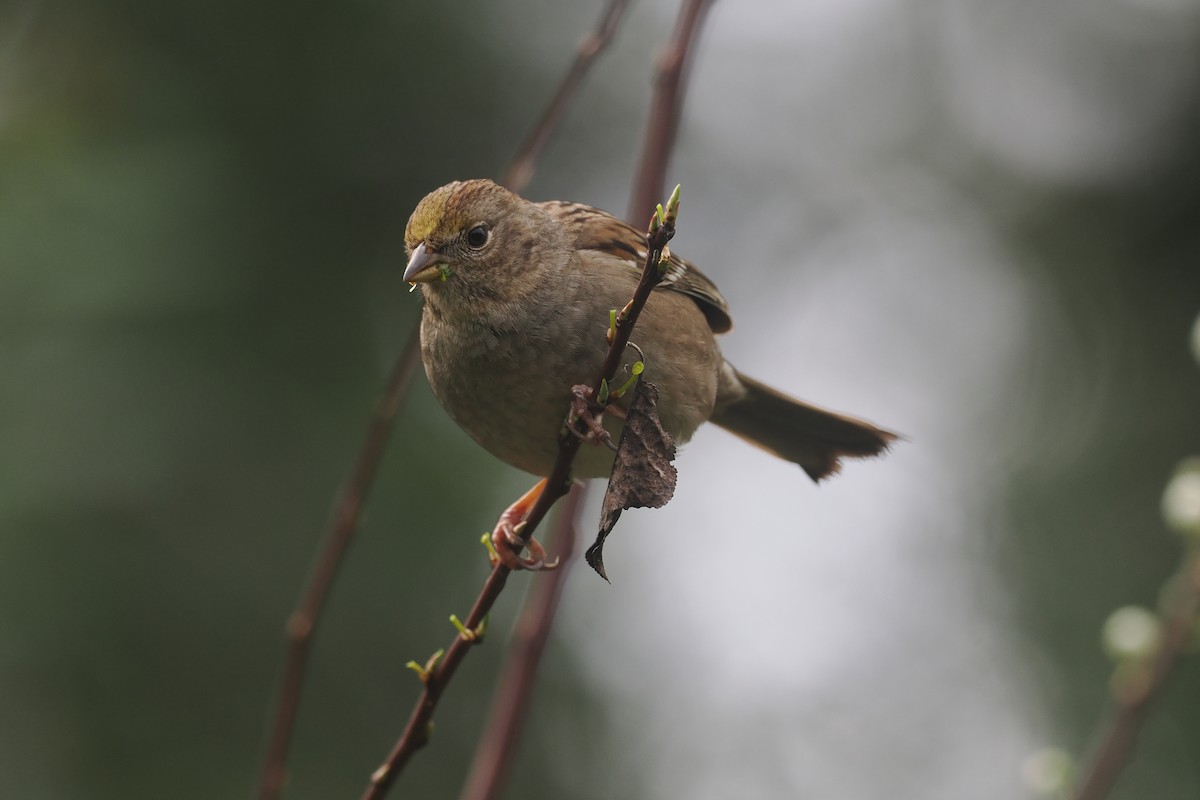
x,y
422,266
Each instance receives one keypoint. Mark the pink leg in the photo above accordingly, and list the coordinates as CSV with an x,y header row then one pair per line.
x,y
506,536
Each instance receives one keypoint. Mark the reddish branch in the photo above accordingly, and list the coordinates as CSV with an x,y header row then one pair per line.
x,y
1137,692
663,122
660,137
510,703
303,620
514,687
659,141
302,623
416,732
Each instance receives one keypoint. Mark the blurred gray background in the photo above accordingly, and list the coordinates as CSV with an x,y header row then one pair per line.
x,y
973,222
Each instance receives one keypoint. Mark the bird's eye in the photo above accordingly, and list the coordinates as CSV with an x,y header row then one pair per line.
x,y
477,237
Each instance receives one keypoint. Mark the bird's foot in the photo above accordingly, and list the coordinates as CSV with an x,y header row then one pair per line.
x,y
507,542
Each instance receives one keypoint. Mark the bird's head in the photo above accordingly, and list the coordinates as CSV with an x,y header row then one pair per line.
x,y
474,246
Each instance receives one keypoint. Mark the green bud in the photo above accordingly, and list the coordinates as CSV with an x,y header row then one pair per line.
x,y
664,260
486,541
423,672
673,206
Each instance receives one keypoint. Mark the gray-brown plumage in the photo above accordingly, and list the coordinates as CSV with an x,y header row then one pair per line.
x,y
517,300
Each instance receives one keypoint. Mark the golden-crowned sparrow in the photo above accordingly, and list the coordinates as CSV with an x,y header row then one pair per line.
x,y
517,300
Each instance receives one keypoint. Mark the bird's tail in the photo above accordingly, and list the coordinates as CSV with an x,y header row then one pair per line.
x,y
812,437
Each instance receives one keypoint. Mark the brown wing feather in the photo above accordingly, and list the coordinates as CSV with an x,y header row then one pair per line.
x,y
598,230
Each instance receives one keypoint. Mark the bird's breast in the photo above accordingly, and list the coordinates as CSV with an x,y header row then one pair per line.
x,y
508,389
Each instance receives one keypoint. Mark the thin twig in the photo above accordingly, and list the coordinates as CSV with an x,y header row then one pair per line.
x,y
301,625
303,620
517,176
1139,689
416,732
663,122
510,700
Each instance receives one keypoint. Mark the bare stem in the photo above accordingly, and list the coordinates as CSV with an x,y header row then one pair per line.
x,y
517,176
651,177
1133,699
663,122
510,700
416,732
303,621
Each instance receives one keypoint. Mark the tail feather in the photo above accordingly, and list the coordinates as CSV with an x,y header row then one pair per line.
x,y
812,437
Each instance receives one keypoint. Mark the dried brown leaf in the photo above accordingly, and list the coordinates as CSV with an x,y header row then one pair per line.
x,y
643,475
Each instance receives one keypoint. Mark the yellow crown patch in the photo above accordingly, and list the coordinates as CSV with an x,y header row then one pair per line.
x,y
442,213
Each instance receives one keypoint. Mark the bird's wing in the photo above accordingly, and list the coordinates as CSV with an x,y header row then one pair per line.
x,y
600,231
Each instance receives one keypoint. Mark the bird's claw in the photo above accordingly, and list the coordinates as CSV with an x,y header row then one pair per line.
x,y
591,415
507,542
